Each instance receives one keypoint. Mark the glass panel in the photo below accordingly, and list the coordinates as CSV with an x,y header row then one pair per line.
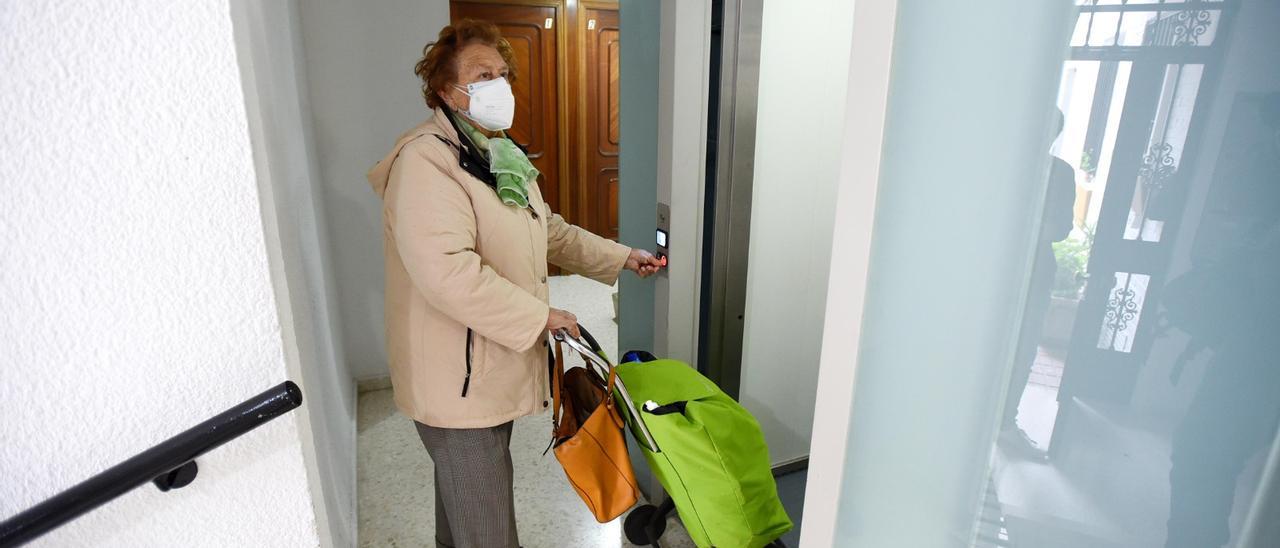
x,y
1124,311
1133,27
1144,405
1103,32
1097,155
1138,402
1183,28
1088,137
1154,198
1082,29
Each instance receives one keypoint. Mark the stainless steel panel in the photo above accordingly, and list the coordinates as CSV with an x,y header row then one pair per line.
x,y
739,83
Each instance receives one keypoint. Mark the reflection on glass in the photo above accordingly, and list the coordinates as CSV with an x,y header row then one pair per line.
x,y
1144,404
1124,311
1155,193
1227,304
1138,23
1081,31
1134,26
1103,30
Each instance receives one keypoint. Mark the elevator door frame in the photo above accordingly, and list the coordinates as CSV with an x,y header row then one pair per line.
x,y
730,172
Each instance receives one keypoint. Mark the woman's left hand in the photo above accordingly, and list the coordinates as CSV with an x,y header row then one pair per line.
x,y
643,263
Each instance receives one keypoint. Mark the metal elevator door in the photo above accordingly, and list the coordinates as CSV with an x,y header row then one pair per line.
x,y
731,136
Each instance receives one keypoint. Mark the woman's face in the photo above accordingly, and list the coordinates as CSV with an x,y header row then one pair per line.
x,y
476,63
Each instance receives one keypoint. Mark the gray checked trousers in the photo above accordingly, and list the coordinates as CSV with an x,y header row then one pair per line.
x,y
475,500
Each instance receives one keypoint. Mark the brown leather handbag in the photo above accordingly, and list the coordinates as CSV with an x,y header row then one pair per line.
x,y
588,439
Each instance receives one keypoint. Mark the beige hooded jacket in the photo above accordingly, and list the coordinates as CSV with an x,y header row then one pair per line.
x,y
466,284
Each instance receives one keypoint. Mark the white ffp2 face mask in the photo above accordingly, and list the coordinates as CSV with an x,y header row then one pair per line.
x,y
492,104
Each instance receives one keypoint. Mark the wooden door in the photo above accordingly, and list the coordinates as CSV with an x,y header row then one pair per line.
x,y
566,99
598,204
531,30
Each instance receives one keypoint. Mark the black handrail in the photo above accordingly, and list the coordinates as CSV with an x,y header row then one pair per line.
x,y
169,465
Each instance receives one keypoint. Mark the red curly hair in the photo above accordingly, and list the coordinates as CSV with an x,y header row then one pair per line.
x,y
439,67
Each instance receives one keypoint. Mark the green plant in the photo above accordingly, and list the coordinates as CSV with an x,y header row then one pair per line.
x,y
1087,164
1072,256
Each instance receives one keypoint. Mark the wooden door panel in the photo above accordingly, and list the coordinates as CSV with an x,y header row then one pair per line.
x,y
602,122
615,116
536,124
607,102
526,95
607,200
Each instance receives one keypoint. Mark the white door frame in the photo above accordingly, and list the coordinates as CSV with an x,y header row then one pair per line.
x,y
868,93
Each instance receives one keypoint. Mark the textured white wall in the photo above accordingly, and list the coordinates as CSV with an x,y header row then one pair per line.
x,y
133,273
363,93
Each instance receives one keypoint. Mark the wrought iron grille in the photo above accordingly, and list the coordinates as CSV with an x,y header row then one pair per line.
x,y
1121,29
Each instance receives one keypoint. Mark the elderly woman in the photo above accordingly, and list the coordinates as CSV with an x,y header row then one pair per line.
x,y
467,237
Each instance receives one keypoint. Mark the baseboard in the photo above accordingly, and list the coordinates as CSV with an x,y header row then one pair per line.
x,y
373,384
793,465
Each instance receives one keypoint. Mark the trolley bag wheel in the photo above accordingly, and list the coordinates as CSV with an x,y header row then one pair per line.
x,y
640,526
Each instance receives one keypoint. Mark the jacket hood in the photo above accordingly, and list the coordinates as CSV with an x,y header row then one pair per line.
x,y
380,174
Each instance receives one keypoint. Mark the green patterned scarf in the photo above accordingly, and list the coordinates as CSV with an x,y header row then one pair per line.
x,y
509,166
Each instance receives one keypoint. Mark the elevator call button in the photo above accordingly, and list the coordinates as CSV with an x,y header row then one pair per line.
x,y
662,236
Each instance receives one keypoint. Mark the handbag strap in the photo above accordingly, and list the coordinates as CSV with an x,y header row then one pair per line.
x,y
559,402
557,387
609,405
608,398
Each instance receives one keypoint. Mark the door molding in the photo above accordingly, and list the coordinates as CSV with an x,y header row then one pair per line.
x,y
592,117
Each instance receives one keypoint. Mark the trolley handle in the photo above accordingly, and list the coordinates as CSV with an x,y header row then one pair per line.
x,y
592,354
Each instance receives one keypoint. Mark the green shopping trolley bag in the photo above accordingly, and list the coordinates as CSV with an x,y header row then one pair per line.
x,y
705,448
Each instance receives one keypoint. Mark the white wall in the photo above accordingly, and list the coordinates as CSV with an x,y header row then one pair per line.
x,y
363,94
135,284
271,61
800,121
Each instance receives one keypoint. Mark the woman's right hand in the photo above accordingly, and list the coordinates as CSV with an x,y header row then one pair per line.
x,y
559,319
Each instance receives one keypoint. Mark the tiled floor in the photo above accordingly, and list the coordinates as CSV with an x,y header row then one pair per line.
x,y
1038,408
396,504
1047,369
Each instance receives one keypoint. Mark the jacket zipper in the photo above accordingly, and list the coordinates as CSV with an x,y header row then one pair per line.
x,y
466,384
